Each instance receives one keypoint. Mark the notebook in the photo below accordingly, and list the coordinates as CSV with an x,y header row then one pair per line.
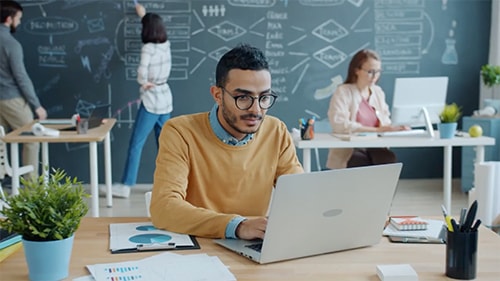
x,y
323,212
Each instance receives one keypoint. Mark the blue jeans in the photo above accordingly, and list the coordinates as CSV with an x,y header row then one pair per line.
x,y
144,123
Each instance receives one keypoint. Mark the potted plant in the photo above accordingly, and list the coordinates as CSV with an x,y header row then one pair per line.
x,y
47,212
449,117
490,75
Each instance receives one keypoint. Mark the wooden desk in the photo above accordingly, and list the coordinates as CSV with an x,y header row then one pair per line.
x,y
91,246
92,136
324,140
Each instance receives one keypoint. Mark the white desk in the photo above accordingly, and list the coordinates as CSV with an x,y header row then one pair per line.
x,y
93,136
329,141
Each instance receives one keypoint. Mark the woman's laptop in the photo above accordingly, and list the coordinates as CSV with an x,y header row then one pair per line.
x,y
322,212
95,118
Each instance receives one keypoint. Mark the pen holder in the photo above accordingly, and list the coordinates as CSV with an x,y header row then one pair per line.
x,y
82,126
461,255
307,131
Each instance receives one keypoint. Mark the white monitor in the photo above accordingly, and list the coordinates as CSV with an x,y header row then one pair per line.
x,y
419,101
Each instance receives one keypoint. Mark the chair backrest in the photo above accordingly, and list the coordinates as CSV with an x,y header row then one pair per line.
x,y
147,197
321,126
4,163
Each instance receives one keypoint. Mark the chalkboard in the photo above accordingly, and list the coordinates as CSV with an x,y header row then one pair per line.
x,y
80,53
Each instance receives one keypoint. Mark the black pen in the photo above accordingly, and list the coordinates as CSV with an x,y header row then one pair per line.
x,y
454,225
471,215
476,225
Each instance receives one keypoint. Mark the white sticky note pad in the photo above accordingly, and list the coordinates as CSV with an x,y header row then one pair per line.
x,y
396,272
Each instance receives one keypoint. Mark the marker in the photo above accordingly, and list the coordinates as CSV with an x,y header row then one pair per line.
x,y
471,215
136,2
476,225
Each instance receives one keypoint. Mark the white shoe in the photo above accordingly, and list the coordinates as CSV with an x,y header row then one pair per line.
x,y
118,190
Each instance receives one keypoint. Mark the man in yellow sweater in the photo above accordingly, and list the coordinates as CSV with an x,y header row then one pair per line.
x,y
215,171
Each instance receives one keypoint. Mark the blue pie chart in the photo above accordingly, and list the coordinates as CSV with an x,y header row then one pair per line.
x,y
150,238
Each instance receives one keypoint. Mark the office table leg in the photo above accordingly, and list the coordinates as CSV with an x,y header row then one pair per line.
x,y
14,162
107,170
447,177
45,162
479,154
94,179
306,160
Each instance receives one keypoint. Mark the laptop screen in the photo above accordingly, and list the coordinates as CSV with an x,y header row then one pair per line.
x,y
100,112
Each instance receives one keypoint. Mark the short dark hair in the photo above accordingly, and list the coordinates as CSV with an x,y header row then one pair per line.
x,y
153,29
357,61
9,9
244,57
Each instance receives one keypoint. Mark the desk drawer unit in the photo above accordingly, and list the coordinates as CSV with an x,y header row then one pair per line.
x,y
491,128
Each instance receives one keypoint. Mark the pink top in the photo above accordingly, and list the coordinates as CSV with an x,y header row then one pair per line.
x,y
366,115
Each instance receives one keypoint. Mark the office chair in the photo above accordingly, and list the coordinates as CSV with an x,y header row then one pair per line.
x,y
321,126
147,197
5,168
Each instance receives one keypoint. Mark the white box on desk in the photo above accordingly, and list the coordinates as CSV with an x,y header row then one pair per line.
x,y
396,272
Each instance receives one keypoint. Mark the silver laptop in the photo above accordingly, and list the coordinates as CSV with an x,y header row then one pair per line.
x,y
322,212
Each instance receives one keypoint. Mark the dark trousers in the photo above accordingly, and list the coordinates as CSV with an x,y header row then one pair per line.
x,y
371,156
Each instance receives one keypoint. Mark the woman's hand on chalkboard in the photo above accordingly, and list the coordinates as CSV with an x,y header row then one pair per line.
x,y
41,113
140,10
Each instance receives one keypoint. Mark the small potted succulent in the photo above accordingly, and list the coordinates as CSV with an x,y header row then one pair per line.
x,y
46,212
449,117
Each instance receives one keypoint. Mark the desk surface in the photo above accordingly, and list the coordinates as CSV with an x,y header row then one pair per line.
x,y
324,140
92,240
96,134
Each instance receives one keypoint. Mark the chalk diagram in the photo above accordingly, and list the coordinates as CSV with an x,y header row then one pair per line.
x,y
400,35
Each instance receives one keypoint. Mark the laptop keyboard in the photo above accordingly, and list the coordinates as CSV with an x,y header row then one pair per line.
x,y
257,247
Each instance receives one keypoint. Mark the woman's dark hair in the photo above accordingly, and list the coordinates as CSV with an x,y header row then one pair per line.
x,y
153,29
244,57
9,9
357,61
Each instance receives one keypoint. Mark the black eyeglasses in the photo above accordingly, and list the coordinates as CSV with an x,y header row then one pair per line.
x,y
372,72
245,102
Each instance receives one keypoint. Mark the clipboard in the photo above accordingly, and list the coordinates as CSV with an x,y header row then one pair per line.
x,y
143,236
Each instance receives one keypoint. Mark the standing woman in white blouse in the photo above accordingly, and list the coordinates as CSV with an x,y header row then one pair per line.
x,y
156,97
358,105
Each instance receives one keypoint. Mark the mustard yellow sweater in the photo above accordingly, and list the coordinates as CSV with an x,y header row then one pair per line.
x,y
201,183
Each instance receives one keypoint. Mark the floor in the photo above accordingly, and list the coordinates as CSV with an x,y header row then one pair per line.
x,y
413,197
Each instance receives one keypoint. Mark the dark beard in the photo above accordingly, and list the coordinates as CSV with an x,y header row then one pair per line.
x,y
12,29
231,119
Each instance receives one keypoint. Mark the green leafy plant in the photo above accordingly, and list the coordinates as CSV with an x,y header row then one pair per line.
x,y
451,113
490,75
46,210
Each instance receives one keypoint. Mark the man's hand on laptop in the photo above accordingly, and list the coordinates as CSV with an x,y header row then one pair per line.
x,y
252,228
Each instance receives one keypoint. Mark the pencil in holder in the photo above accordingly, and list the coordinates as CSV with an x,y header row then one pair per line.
x,y
82,126
307,129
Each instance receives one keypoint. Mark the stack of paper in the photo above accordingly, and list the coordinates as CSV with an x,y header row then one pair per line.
x,y
164,267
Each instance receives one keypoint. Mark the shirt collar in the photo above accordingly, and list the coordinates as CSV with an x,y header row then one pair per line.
x,y
221,133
